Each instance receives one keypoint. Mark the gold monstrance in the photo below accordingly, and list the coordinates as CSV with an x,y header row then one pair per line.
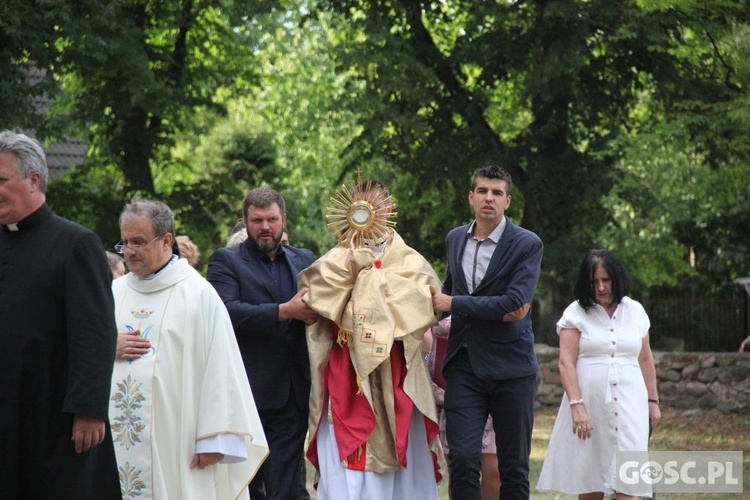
x,y
360,214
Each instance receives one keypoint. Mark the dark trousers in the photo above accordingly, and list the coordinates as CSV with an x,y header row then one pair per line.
x,y
468,401
303,493
285,429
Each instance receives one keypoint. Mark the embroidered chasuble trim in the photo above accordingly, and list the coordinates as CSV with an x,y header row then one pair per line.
x,y
132,389
345,337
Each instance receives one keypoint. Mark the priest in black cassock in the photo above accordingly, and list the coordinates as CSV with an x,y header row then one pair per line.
x,y
58,335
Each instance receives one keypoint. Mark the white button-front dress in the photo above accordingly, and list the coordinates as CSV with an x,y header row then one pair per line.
x,y
615,396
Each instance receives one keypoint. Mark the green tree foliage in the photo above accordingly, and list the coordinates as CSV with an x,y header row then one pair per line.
x,y
235,156
623,123
91,195
307,106
136,73
27,54
552,90
682,178
137,79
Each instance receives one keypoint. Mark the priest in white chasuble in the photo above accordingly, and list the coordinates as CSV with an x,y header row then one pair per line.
x,y
373,420
184,421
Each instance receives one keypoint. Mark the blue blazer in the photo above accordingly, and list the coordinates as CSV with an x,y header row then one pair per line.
x,y
274,353
494,322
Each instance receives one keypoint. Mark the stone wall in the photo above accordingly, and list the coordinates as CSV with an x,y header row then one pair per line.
x,y
686,380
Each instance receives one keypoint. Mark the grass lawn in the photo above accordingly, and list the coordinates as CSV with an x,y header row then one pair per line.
x,y
708,430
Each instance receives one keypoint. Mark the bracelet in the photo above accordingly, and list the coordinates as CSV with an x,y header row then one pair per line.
x,y
574,402
655,401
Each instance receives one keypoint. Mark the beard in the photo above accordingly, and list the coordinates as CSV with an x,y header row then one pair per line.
x,y
267,246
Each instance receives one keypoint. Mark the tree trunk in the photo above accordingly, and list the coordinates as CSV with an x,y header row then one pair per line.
x,y
138,145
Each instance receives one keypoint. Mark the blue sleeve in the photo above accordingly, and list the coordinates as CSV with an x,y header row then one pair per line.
x,y
513,301
262,316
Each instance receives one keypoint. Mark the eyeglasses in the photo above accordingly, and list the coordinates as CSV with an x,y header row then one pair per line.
x,y
120,247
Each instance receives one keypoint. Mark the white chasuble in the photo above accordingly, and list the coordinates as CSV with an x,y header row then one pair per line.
x,y
190,387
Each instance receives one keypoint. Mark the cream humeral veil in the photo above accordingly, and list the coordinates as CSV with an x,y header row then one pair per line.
x,y
375,300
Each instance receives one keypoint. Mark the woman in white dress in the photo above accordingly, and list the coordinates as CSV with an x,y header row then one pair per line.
x,y
607,372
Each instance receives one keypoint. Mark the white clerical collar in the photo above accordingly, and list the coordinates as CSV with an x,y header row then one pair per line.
x,y
151,276
12,227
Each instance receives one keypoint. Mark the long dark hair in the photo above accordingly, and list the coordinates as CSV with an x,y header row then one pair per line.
x,y
584,289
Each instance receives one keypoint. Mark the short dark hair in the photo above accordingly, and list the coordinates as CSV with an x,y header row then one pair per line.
x,y
491,172
262,198
584,289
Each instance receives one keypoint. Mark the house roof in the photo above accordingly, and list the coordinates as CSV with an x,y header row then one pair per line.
x,y
60,155
63,155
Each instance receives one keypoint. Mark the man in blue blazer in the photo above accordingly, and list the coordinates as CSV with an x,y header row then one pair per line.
x,y
257,280
490,366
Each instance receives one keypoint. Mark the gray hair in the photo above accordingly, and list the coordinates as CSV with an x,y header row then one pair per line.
x,y
161,216
262,198
237,238
30,156
113,259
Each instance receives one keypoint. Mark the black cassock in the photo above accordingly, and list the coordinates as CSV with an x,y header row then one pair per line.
x,y
58,338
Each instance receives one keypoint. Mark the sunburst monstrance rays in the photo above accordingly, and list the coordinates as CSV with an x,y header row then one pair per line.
x,y
361,213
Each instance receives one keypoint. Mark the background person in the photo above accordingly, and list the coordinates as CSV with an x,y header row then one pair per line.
x,y
435,344
236,238
239,234
116,265
183,418
188,250
257,282
58,331
490,365
607,372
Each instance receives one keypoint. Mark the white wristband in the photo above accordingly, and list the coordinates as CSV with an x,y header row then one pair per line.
x,y
574,402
